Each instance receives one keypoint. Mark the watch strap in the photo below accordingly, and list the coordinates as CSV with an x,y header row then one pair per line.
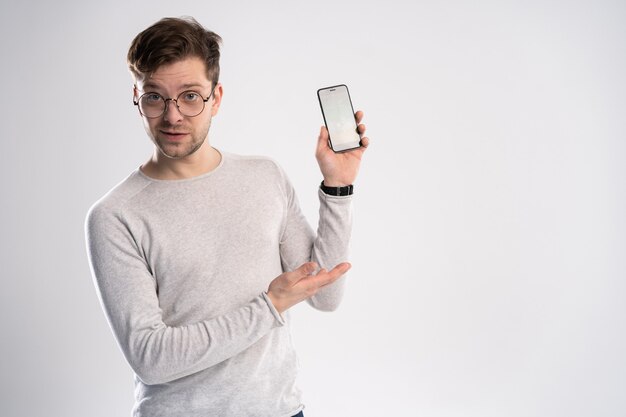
x,y
337,191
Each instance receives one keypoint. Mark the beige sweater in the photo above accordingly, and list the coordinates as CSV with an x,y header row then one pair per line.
x,y
181,268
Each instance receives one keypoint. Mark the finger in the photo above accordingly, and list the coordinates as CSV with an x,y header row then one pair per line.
x,y
361,129
341,268
325,277
359,116
365,142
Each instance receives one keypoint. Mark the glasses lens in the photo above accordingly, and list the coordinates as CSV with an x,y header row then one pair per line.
x,y
151,105
190,103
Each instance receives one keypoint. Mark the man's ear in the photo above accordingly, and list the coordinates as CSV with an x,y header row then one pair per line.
x,y
218,92
135,93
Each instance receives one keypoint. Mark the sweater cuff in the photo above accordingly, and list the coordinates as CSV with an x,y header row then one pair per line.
x,y
275,312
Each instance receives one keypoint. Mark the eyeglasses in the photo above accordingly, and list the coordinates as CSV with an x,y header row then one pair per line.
x,y
189,103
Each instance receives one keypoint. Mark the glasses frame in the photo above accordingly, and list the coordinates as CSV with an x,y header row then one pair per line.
x,y
175,100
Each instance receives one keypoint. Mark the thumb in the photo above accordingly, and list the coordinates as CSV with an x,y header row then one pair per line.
x,y
302,271
322,140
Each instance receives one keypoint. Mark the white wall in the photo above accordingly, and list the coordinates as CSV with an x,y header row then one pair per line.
x,y
489,268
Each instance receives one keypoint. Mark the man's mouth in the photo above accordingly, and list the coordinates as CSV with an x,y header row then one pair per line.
x,y
172,135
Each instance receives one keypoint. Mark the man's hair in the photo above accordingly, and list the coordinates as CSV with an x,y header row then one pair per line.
x,y
171,40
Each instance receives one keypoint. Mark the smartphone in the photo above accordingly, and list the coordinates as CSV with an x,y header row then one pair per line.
x,y
339,117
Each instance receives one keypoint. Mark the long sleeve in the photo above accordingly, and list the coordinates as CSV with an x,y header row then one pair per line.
x,y
328,247
332,246
128,291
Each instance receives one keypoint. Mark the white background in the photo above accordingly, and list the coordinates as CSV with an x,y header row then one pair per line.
x,y
489,240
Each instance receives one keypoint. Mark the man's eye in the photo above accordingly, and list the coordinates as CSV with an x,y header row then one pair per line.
x,y
152,97
190,96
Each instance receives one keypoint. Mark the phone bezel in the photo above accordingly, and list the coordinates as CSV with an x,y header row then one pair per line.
x,y
339,147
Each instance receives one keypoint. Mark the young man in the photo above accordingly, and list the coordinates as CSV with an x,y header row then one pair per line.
x,y
198,255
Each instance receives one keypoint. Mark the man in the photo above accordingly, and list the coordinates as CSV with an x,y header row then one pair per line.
x,y
198,255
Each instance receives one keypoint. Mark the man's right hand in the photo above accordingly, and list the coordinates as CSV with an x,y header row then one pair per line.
x,y
290,288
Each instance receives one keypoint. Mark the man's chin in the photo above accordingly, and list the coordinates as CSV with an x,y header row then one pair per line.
x,y
178,151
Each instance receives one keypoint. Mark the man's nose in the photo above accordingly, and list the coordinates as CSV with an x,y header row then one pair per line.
x,y
172,114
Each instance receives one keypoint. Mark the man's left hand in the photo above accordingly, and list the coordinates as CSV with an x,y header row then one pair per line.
x,y
340,169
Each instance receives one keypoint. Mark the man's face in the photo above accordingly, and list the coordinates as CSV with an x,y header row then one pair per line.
x,y
175,135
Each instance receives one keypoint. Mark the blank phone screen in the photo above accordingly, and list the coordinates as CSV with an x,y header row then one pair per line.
x,y
339,117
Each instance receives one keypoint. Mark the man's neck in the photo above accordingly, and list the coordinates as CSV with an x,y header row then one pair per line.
x,y
161,167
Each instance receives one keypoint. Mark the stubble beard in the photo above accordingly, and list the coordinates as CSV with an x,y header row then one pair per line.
x,y
182,150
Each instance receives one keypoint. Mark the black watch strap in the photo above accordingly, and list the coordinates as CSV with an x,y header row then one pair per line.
x,y
337,191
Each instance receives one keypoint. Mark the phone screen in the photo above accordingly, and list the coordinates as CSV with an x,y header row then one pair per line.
x,y
339,117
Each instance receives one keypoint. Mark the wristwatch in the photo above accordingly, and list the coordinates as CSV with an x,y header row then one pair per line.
x,y
337,191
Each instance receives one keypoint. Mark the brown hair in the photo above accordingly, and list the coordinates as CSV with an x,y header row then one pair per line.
x,y
170,40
